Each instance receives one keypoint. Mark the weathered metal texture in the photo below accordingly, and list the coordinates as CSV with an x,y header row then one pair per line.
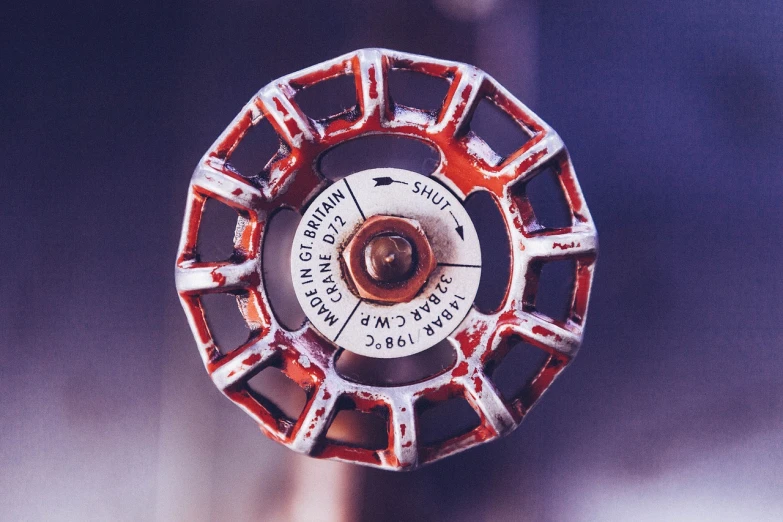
x,y
467,164
354,255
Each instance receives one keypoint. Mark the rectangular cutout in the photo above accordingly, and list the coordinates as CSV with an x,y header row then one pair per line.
x,y
446,420
517,368
498,129
548,200
495,250
254,151
370,152
555,288
328,98
216,232
417,90
278,393
228,327
360,429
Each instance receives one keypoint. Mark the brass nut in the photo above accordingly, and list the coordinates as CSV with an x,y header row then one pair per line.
x,y
389,259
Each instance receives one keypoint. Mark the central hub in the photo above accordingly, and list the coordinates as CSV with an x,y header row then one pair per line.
x,y
389,259
386,263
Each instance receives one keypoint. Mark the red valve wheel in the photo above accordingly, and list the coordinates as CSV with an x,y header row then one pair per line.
x,y
291,179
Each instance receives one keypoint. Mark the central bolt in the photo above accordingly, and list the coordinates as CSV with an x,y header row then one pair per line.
x,y
389,258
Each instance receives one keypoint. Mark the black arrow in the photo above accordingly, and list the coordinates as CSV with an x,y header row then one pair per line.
x,y
459,228
382,182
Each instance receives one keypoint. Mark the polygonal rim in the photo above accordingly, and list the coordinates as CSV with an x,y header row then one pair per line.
x,y
291,179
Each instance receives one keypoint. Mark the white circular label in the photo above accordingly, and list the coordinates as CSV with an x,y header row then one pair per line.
x,y
374,329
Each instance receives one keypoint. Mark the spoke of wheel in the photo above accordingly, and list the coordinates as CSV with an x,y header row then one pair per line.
x,y
538,330
294,187
286,116
485,396
212,182
239,364
404,439
473,335
574,242
317,418
207,348
462,98
371,89
291,181
519,167
228,139
195,278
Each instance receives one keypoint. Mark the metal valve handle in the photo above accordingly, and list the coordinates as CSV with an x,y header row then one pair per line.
x,y
291,180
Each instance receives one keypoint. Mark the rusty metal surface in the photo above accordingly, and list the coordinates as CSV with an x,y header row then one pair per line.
x,y
354,256
467,164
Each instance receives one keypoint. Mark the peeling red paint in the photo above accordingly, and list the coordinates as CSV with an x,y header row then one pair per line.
x,y
565,246
478,384
540,330
532,159
373,83
250,361
571,186
460,370
280,108
237,192
543,332
460,109
217,277
288,121
470,339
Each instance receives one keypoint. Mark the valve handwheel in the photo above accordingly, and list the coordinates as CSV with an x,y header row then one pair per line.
x,y
385,263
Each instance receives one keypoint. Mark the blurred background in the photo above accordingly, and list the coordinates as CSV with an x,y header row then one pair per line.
x,y
673,115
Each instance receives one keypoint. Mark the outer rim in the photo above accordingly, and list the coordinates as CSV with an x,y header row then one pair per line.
x,y
290,179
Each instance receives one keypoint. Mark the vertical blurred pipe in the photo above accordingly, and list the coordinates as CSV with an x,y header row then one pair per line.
x,y
506,40
507,47
187,429
324,491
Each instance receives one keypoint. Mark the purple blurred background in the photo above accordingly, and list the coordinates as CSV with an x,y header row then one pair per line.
x,y
673,114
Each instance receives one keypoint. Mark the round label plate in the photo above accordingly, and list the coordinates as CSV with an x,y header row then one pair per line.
x,y
363,326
